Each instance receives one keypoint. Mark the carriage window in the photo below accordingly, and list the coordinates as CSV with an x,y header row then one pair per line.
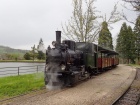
x,y
106,55
82,46
99,55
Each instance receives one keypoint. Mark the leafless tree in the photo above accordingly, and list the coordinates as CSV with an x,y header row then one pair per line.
x,y
84,25
135,4
83,22
136,7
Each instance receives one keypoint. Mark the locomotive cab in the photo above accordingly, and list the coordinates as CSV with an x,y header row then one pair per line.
x,y
70,43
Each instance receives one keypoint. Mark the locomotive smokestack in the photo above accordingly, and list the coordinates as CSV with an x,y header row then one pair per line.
x,y
58,37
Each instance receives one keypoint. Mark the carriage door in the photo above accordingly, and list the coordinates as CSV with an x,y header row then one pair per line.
x,y
95,59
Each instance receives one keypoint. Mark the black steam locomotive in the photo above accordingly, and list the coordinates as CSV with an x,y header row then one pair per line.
x,y
69,61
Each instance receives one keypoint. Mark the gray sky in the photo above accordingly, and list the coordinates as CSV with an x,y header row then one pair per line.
x,y
24,22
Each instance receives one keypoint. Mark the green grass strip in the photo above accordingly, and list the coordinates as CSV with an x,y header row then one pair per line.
x,y
17,85
134,65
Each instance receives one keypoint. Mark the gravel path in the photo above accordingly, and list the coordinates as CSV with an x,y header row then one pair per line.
x,y
100,90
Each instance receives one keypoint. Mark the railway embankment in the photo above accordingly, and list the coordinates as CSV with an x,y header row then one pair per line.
x,y
102,89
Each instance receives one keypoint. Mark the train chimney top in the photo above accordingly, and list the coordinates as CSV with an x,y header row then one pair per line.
x,y
58,37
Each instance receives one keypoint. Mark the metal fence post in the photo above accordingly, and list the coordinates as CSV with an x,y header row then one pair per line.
x,y
18,70
37,69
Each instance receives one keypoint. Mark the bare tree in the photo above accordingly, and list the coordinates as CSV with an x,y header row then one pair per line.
x,y
84,25
115,16
136,7
135,4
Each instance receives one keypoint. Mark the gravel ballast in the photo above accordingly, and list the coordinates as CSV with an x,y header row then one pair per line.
x,y
99,90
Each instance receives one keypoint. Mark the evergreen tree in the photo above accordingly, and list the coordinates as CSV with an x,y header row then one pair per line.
x,y
120,47
40,43
41,50
33,52
105,37
137,33
131,54
126,43
40,46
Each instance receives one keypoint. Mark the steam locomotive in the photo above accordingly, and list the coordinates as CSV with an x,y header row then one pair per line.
x,y
69,62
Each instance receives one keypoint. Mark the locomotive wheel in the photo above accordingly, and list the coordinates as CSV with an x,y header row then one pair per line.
x,y
68,80
91,72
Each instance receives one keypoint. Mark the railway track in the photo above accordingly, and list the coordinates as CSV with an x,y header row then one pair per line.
x,y
132,95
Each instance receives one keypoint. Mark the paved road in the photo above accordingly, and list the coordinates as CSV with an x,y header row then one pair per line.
x,y
100,90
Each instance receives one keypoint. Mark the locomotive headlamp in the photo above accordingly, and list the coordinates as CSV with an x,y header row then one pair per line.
x,y
63,67
54,43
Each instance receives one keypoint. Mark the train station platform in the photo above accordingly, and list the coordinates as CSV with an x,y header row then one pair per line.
x,y
102,89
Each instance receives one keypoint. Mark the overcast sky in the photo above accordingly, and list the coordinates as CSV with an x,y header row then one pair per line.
x,y
24,22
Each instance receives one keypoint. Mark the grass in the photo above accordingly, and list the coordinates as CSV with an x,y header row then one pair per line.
x,y
134,65
17,85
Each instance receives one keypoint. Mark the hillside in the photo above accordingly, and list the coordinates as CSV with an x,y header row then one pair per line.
x,y
5,49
